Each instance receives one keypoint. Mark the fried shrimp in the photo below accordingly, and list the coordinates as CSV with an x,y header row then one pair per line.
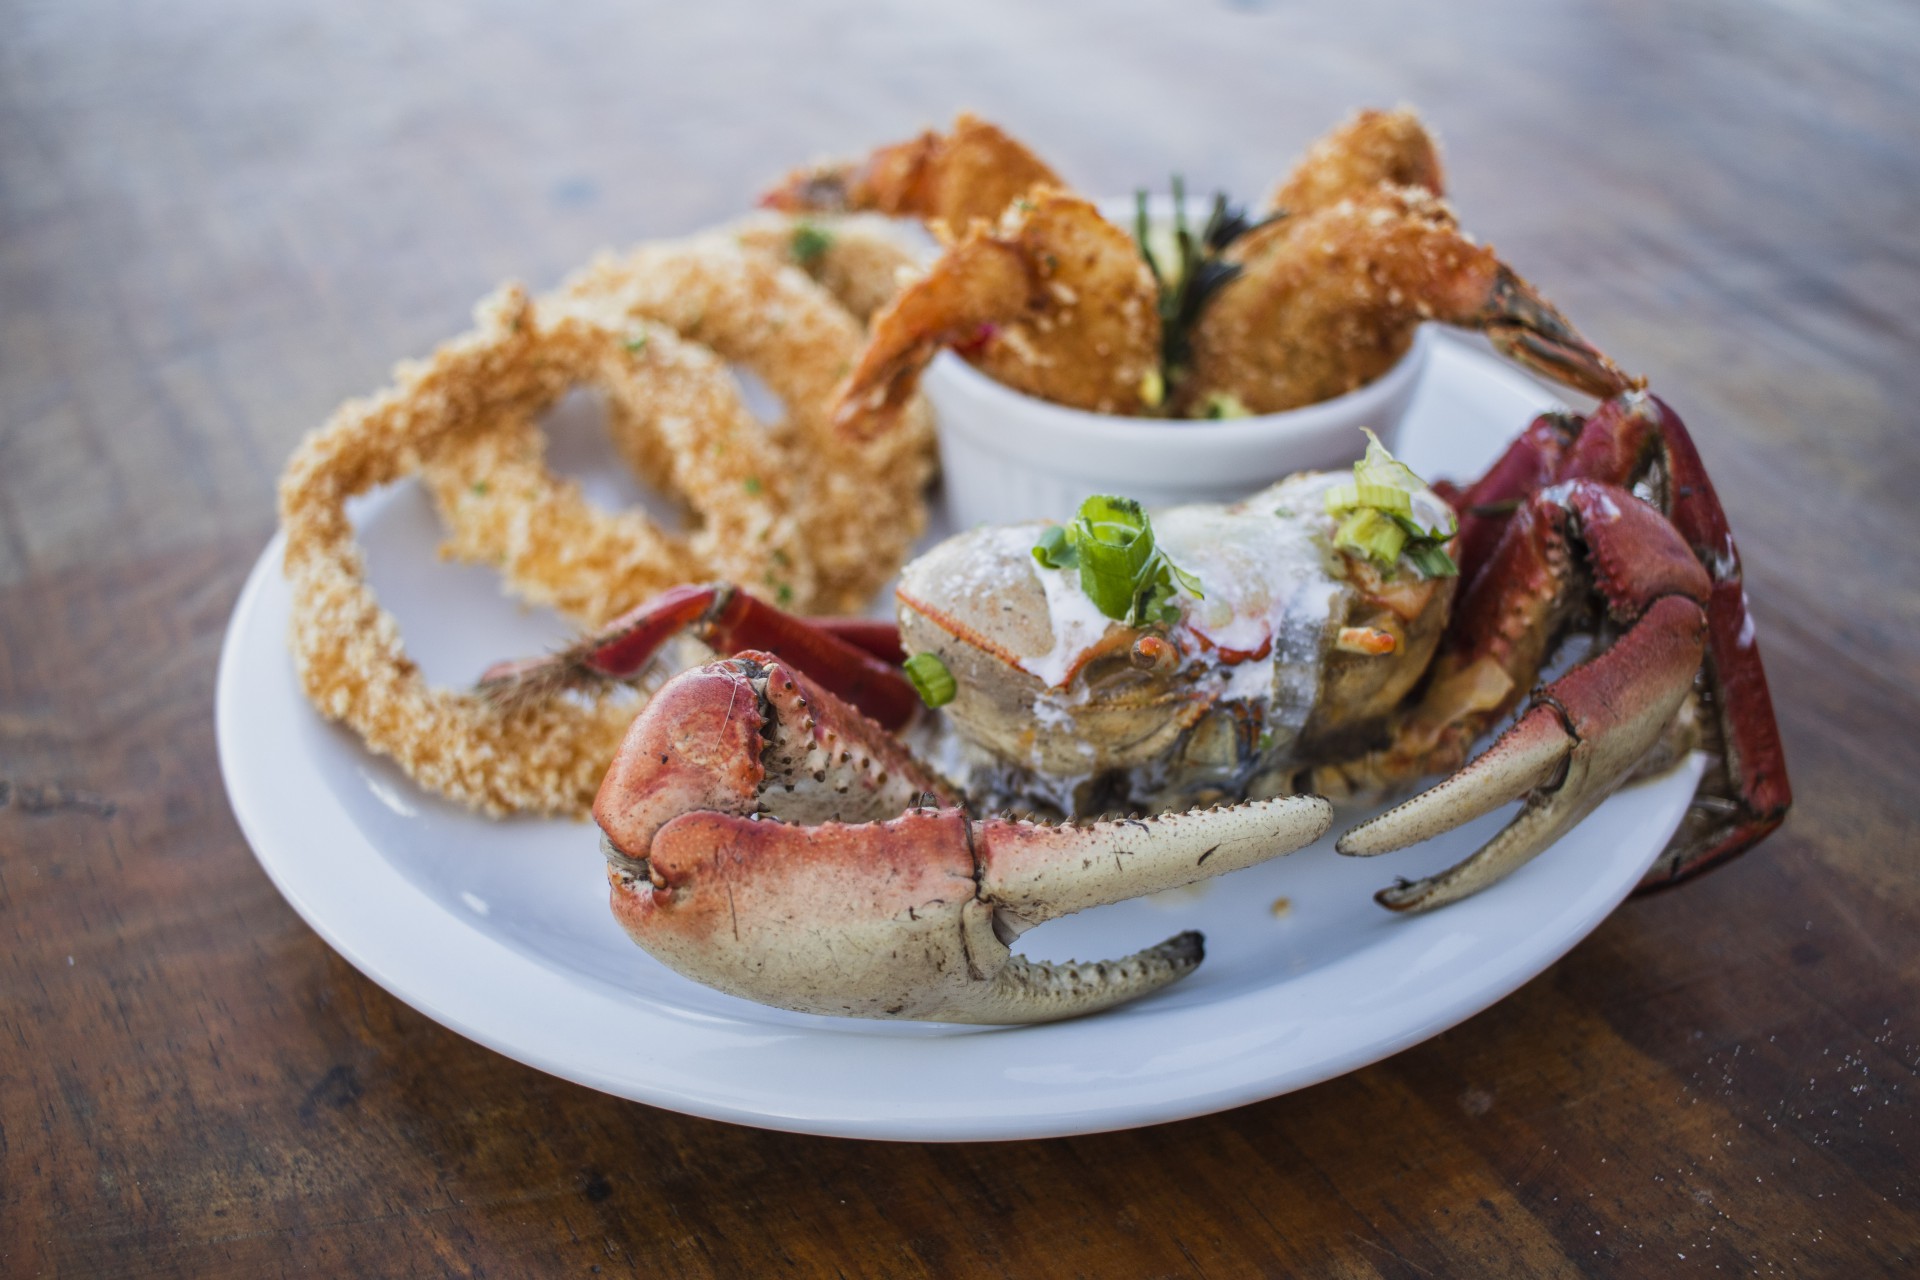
x,y
1327,301
1373,147
1240,316
1055,301
347,649
948,181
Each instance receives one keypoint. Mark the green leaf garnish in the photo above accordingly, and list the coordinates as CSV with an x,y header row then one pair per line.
x,y
810,243
1224,404
1432,560
1128,578
1190,277
930,679
1056,550
1388,512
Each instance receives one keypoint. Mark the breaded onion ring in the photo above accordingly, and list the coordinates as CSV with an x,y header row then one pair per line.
x,y
675,413
546,758
859,503
858,258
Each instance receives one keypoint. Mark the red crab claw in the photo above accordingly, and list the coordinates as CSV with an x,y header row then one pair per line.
x,y
857,658
1585,732
1637,439
1531,463
1746,793
764,838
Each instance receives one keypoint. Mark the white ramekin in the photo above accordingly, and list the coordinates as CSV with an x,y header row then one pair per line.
x,y
1007,456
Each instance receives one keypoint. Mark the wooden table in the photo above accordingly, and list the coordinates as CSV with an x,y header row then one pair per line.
x,y
216,222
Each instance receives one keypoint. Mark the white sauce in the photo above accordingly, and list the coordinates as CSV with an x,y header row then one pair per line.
x,y
1269,601
1077,624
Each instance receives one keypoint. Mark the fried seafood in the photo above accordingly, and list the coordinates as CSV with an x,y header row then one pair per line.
x,y
347,649
1327,301
1054,301
1317,298
974,172
1375,147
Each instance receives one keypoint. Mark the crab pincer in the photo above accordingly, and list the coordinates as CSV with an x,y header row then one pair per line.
x,y
1585,732
766,839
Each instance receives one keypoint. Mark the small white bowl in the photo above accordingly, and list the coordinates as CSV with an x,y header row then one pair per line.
x,y
1008,456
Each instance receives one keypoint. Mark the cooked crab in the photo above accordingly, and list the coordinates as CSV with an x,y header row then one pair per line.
x,y
767,833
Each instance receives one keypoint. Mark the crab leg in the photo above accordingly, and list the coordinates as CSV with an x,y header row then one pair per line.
x,y
761,838
1530,464
1585,731
853,657
1748,794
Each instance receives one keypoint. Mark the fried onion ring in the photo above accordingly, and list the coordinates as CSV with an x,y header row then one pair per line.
x,y
858,503
676,415
546,758
859,258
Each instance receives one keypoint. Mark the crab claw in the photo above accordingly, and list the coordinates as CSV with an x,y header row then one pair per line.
x,y
745,888
1585,732
1579,741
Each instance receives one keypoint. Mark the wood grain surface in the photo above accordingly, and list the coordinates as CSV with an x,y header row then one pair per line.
x,y
217,219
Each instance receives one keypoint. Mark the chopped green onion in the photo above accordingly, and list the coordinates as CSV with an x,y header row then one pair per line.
x,y
1056,549
1432,560
1116,544
1225,404
930,679
1128,578
1379,536
810,243
1381,467
1153,389
1381,497
1388,511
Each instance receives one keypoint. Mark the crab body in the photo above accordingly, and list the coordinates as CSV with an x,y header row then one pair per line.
x,y
1292,649
768,833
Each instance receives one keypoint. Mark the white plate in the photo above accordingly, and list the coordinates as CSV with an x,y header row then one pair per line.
x,y
500,930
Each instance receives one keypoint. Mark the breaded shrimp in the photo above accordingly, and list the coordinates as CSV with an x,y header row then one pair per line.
x,y
975,171
1327,301
1373,147
1055,301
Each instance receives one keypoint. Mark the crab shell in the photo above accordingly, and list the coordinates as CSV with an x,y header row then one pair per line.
x,y
1254,682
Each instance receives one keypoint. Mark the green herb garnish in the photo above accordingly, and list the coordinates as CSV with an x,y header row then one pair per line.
x,y
810,243
1128,578
930,679
1225,404
1190,277
1388,512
